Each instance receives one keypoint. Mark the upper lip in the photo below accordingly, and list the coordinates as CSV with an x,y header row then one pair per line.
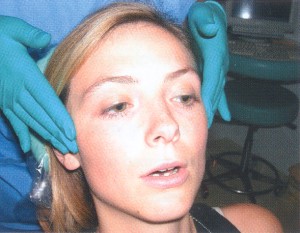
x,y
164,166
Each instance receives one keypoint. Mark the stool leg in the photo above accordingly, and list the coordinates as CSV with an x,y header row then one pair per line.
x,y
248,188
244,170
247,149
245,163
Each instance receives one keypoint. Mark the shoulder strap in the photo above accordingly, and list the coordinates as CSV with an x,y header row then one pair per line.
x,y
208,220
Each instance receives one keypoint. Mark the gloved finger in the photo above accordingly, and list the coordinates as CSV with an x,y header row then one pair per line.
x,y
201,17
219,89
207,91
212,86
58,108
220,101
40,151
217,8
56,111
211,77
37,146
20,129
223,108
59,141
207,29
60,145
208,110
24,33
46,98
34,112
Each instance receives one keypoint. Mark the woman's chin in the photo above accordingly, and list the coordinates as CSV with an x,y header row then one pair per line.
x,y
166,212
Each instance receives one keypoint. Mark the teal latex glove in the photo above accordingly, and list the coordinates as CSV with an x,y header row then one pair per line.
x,y
207,25
38,147
26,98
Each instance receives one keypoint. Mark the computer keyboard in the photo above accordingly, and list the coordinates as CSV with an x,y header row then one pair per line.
x,y
264,50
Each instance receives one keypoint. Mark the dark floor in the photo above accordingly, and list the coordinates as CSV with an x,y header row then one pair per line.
x,y
286,205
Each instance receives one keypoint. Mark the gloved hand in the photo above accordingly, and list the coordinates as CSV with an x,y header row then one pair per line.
x,y
26,98
207,25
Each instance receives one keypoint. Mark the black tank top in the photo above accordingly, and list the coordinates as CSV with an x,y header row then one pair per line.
x,y
206,219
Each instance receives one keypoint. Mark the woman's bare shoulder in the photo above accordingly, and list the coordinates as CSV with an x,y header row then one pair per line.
x,y
252,218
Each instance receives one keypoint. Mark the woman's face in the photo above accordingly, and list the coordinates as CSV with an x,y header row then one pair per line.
x,y
141,124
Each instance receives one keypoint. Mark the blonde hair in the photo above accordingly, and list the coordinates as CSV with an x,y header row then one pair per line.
x,y
72,207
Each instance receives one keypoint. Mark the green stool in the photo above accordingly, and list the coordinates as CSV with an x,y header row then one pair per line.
x,y
256,105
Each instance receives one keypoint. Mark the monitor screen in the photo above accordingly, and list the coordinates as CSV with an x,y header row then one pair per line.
x,y
265,18
263,10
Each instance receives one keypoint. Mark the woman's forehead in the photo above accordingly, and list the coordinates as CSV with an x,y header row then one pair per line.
x,y
141,40
136,30
133,45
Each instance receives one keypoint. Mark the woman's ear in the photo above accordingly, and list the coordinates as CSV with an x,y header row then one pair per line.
x,y
69,161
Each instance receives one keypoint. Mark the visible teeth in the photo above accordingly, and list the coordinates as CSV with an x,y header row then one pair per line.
x,y
155,174
162,170
168,169
166,172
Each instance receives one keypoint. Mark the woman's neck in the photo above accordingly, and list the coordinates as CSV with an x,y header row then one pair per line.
x,y
121,223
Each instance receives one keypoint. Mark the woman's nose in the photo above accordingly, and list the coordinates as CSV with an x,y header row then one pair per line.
x,y
163,127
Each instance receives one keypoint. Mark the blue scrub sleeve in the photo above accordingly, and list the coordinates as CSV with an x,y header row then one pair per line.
x,y
52,16
17,212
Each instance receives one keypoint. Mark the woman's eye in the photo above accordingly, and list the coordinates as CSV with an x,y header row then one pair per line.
x,y
186,100
120,107
116,110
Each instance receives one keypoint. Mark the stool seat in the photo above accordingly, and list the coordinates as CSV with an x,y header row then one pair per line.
x,y
261,104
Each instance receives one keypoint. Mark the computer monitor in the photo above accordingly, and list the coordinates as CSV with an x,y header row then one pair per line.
x,y
261,18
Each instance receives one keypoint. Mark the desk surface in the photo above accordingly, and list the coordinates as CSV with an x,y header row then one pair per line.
x,y
273,60
265,49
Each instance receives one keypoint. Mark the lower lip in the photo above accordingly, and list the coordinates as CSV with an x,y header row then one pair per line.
x,y
166,182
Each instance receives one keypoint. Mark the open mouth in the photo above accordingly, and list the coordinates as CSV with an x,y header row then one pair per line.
x,y
165,172
167,175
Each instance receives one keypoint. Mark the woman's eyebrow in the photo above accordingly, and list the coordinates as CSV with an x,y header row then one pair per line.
x,y
179,73
114,79
125,79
